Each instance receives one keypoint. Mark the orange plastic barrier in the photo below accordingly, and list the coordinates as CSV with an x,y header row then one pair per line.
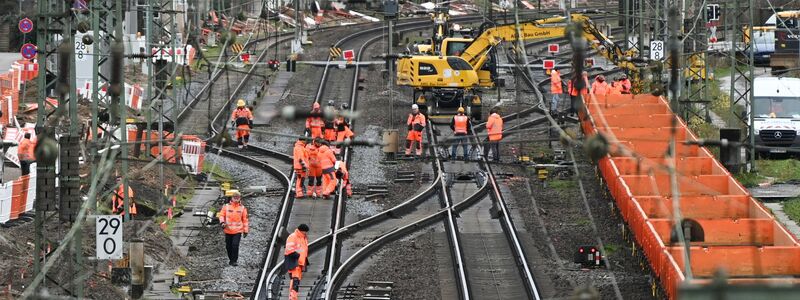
x,y
737,233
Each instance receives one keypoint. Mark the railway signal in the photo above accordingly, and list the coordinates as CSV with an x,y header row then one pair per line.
x,y
349,55
553,48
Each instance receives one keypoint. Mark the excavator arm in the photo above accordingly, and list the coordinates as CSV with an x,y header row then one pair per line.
x,y
478,52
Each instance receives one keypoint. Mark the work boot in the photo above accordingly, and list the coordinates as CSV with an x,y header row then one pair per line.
x,y
233,263
314,194
408,151
299,195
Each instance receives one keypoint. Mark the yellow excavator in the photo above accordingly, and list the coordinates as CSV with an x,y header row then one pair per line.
x,y
453,80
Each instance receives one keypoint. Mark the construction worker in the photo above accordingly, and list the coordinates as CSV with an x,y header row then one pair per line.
x,y
626,84
616,87
314,168
300,166
329,129
328,162
575,93
296,258
314,124
556,89
25,154
242,118
343,175
461,126
233,217
494,125
416,124
343,133
118,200
600,86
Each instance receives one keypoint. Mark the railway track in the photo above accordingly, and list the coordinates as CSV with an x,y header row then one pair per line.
x,y
273,285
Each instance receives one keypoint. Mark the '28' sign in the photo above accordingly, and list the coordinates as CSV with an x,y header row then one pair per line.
x,y
109,237
80,51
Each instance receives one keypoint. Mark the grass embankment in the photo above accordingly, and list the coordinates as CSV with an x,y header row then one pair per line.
x,y
792,209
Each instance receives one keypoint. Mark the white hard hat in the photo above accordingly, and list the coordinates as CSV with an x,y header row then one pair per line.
x,y
414,106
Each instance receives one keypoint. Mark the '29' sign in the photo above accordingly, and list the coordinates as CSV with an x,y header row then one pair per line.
x,y
109,237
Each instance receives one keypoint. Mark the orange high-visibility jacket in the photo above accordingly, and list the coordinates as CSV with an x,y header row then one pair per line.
x,y
616,89
299,155
297,242
344,133
626,86
234,215
242,116
600,88
495,127
25,150
416,122
327,158
312,156
555,83
460,124
314,125
573,91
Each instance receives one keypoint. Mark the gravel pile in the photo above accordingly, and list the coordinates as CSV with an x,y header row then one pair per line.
x,y
364,166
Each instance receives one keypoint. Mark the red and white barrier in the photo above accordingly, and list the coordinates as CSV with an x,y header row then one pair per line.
x,y
192,155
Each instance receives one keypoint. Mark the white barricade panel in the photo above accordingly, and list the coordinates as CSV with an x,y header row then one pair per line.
x,y
31,196
5,201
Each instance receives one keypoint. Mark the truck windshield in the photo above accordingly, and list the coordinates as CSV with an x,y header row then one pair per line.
x,y
777,107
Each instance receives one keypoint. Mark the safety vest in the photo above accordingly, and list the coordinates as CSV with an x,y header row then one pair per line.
x,y
416,122
312,156
299,155
297,242
25,150
495,127
460,126
241,116
555,83
600,88
327,158
234,215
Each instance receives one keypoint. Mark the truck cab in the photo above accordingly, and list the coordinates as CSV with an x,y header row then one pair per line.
x,y
776,119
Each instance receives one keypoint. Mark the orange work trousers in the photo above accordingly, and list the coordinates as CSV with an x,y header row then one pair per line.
x,y
295,275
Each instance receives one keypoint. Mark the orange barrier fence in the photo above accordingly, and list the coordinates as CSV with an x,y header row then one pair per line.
x,y
730,229
17,197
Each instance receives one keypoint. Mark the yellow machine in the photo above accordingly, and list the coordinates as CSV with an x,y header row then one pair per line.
x,y
451,81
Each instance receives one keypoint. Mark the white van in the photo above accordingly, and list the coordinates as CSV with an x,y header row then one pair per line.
x,y
776,122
